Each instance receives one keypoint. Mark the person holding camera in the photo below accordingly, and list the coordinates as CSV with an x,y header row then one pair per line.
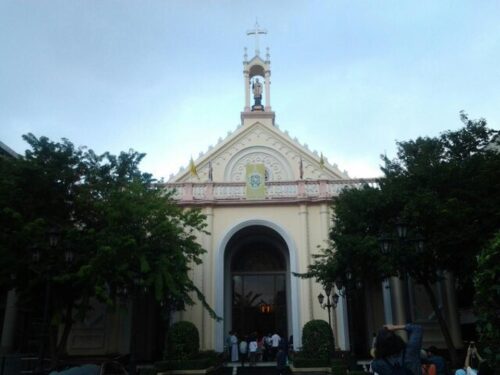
x,y
480,367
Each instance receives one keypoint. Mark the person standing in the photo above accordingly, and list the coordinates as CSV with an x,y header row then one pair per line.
x,y
261,349
227,345
275,342
267,347
243,350
252,348
234,347
281,360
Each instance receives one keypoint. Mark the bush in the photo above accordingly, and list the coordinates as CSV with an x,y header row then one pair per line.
x,y
183,341
317,340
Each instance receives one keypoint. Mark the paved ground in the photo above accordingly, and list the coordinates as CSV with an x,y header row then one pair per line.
x,y
261,368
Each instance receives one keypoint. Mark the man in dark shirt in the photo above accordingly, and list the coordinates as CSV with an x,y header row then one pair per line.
x,y
391,350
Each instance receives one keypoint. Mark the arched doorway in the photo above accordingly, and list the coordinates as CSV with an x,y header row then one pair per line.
x,y
257,284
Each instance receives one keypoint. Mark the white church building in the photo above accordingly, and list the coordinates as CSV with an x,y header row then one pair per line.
x,y
269,202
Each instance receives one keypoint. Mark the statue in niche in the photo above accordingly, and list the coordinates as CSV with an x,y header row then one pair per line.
x,y
257,95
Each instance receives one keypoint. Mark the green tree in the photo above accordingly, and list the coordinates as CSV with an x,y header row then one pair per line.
x,y
124,230
487,300
446,188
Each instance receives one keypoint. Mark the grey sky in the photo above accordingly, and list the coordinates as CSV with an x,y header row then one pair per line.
x,y
165,77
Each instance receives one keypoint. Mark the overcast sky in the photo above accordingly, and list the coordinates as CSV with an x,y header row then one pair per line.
x,y
349,78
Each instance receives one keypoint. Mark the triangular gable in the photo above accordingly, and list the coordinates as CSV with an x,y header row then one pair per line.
x,y
263,144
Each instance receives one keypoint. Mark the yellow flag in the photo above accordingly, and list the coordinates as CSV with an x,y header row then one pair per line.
x,y
256,181
322,161
192,168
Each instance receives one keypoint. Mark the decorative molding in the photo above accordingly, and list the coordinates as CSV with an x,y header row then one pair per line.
x,y
277,166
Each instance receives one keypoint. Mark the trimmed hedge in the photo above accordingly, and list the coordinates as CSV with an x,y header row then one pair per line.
x,y
317,340
183,341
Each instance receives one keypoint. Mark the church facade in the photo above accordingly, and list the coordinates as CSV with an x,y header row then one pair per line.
x,y
261,235
269,202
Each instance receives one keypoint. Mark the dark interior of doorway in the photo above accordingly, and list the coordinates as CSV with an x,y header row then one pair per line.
x,y
258,281
259,304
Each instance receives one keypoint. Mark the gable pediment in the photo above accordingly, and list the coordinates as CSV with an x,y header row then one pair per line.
x,y
259,143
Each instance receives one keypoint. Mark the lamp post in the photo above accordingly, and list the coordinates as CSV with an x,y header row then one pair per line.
x,y
54,235
402,241
347,286
331,301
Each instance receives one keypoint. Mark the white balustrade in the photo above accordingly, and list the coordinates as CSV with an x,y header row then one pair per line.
x,y
200,191
275,190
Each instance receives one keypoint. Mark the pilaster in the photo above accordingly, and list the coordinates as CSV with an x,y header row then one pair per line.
x,y
305,259
208,282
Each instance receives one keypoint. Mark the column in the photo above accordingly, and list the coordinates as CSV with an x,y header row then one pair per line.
x,y
386,296
247,90
342,325
398,300
304,261
268,91
398,303
9,322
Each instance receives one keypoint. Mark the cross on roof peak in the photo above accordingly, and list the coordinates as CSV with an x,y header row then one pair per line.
x,y
256,31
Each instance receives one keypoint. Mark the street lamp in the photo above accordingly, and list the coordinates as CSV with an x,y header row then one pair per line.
x,y
54,236
347,286
387,242
331,301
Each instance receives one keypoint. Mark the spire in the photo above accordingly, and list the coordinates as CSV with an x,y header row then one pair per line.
x,y
257,79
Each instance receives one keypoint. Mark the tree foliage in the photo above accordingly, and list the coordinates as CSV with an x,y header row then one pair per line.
x,y
126,232
487,300
445,187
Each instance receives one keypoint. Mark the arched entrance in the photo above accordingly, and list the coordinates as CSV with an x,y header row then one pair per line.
x,y
257,282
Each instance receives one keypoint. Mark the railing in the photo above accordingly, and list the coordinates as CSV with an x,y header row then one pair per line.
x,y
186,192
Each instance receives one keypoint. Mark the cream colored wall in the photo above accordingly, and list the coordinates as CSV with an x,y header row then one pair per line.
x,y
308,227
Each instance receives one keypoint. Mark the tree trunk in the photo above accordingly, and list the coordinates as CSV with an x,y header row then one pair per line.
x,y
68,323
57,347
52,346
442,323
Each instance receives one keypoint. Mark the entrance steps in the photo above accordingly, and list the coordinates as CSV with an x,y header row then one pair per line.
x,y
260,368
